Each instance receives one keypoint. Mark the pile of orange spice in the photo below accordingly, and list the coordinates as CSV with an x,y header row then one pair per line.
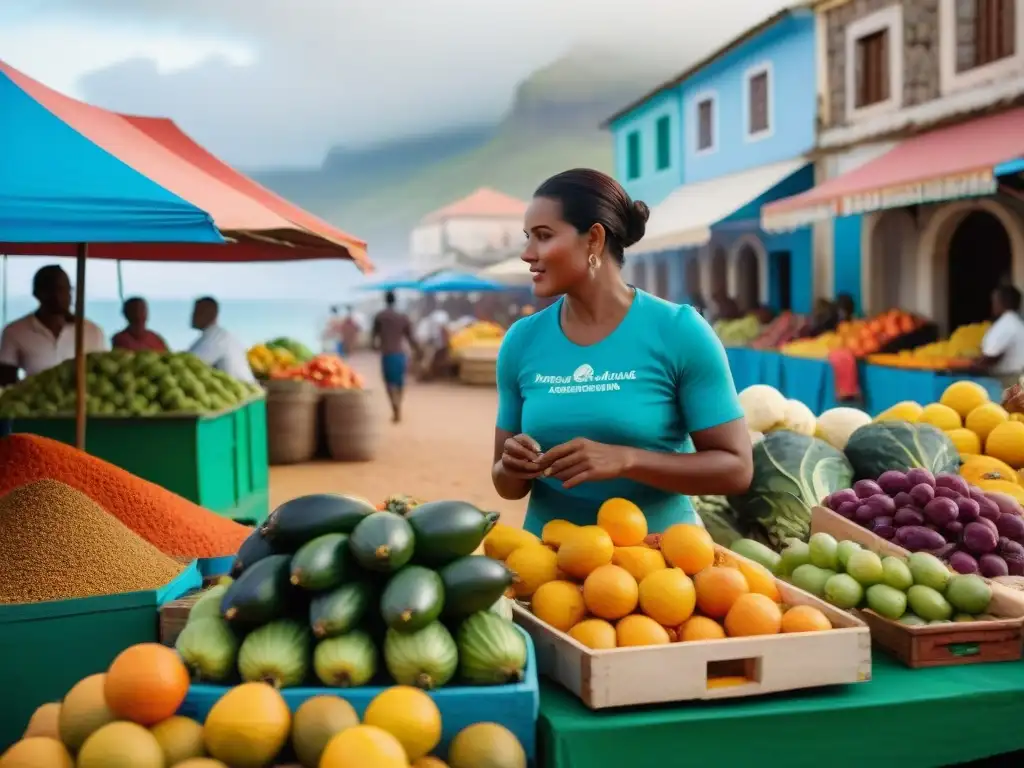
x,y
172,524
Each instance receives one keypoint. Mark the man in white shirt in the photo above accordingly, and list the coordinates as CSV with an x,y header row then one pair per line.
x,y
46,337
1002,348
217,347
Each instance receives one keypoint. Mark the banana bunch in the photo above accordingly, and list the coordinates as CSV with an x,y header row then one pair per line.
x,y
477,333
265,360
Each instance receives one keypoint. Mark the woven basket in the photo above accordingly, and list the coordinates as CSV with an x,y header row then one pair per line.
x,y
291,422
351,424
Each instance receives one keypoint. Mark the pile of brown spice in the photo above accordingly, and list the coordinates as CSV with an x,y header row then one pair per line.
x,y
57,544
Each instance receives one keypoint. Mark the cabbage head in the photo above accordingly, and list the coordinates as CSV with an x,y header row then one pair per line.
x,y
792,474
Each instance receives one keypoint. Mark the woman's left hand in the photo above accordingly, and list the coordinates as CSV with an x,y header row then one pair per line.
x,y
581,460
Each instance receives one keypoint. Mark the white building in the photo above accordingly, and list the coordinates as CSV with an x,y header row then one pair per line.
x,y
476,231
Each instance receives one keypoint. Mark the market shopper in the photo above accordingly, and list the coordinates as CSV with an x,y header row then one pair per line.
x,y
610,391
216,346
46,337
1002,348
136,337
391,331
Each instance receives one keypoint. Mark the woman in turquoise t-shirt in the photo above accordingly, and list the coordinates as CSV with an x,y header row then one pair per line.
x,y
610,391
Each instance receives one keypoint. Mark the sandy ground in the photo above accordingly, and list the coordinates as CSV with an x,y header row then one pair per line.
x,y
441,450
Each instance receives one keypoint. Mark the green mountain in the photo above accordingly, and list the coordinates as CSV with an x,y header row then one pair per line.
x,y
382,192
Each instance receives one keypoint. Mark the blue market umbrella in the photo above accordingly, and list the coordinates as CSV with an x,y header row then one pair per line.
x,y
455,282
395,282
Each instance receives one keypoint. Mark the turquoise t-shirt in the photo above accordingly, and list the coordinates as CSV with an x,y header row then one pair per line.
x,y
660,375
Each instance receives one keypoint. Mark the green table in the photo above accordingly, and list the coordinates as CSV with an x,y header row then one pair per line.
x,y
905,718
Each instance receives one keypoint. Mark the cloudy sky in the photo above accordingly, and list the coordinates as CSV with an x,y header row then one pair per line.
x,y
271,83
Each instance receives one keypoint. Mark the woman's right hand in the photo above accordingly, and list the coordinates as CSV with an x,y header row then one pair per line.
x,y
519,458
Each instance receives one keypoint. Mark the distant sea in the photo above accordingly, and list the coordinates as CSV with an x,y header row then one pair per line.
x,y
252,321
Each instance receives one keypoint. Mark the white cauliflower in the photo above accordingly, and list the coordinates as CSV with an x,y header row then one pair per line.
x,y
837,424
763,406
799,419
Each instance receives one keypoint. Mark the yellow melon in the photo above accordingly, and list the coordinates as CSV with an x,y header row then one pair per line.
x,y
983,419
610,592
364,745
597,634
583,550
964,396
1006,443
977,469
408,714
503,540
555,531
908,410
532,566
316,722
247,726
560,604
486,745
84,711
966,441
180,739
37,752
121,745
941,416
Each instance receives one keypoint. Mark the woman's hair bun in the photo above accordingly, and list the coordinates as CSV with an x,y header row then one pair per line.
x,y
638,215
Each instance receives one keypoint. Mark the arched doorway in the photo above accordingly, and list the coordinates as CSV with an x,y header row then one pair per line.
x,y
748,279
891,273
980,259
719,273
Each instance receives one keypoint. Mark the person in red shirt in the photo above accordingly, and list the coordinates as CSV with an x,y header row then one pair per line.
x,y
137,337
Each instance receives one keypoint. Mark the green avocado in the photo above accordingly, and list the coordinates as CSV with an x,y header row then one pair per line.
x,y
412,599
260,594
340,610
322,563
383,542
473,583
447,530
308,517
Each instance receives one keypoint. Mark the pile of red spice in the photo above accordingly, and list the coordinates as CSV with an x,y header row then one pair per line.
x,y
172,524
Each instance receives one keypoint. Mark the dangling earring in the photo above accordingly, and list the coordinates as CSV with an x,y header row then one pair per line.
x,y
594,264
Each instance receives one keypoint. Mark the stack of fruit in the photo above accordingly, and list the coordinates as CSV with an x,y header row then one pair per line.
x,y
265,361
325,371
974,530
123,383
299,351
860,337
767,410
738,333
611,586
328,584
990,440
126,717
479,334
960,350
781,330
849,576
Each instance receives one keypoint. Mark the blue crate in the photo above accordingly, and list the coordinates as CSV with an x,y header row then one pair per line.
x,y
214,567
514,706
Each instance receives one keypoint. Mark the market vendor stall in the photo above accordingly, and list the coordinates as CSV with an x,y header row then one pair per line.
x,y
935,717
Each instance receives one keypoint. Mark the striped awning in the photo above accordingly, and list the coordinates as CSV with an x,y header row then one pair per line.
x,y
960,161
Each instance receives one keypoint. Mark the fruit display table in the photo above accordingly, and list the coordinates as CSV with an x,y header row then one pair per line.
x,y
933,717
810,381
218,461
754,366
884,387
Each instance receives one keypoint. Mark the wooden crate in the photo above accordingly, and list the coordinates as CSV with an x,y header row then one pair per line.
x,y
706,669
936,645
174,616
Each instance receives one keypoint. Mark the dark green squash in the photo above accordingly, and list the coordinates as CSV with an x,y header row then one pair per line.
x,y
901,446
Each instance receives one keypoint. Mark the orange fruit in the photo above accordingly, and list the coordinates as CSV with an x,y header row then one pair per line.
x,y
583,550
560,604
689,547
700,628
555,531
624,521
753,614
637,630
639,561
532,565
668,597
594,633
146,684
610,592
760,579
805,618
718,588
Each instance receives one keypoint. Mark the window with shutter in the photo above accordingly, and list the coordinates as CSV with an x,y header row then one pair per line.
x,y
871,74
757,103
705,124
663,129
633,156
992,36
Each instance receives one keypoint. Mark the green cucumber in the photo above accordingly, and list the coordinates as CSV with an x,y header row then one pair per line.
x,y
253,549
308,517
412,599
473,583
322,563
382,542
260,594
340,610
447,530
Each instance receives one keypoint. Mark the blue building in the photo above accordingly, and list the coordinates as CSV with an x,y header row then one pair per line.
x,y
707,149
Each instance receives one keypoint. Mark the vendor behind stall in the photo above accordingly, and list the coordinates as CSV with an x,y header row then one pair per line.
x,y
137,337
216,346
46,337
1002,349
